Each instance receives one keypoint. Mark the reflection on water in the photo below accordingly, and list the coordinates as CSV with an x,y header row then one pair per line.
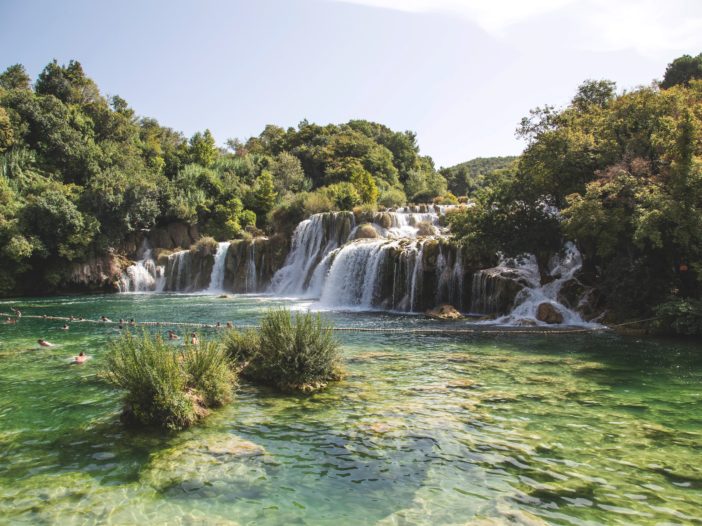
x,y
514,429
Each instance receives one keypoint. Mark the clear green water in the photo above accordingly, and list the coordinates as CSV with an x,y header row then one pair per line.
x,y
509,429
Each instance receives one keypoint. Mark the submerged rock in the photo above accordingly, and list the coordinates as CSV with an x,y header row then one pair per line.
x,y
198,463
444,312
548,314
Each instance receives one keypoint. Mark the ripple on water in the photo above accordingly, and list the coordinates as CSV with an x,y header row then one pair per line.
x,y
430,430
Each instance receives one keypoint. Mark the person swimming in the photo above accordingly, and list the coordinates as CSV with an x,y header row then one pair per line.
x,y
105,319
16,311
44,343
230,325
81,358
11,321
194,340
173,336
65,327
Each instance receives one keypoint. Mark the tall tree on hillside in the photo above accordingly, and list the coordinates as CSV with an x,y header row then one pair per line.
x,y
682,70
15,77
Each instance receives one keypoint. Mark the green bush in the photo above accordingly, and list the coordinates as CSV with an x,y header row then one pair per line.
x,y
241,346
365,213
208,372
392,197
680,316
299,354
205,246
316,203
343,195
166,387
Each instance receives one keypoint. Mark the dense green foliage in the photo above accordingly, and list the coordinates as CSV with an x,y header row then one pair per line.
x,y
292,354
168,387
79,172
682,70
680,316
468,177
620,175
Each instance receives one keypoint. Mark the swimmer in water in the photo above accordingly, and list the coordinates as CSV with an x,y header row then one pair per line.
x,y
81,358
44,343
230,325
11,321
65,327
194,340
173,336
105,319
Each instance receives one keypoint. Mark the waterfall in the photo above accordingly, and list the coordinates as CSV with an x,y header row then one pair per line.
x,y
144,275
324,244
312,240
251,284
217,276
561,269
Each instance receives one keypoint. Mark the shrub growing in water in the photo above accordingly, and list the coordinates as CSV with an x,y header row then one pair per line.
x,y
292,355
166,387
241,346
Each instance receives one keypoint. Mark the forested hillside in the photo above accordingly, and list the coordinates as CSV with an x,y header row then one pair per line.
x,y
79,171
470,176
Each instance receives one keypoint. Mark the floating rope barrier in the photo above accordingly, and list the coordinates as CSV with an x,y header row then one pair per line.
x,y
387,330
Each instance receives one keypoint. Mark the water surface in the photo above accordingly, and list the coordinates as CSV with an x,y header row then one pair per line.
x,y
483,429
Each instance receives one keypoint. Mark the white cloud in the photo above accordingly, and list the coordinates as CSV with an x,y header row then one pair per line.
x,y
651,27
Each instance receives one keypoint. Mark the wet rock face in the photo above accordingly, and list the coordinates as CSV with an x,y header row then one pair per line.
x,y
444,312
174,236
581,298
548,314
494,290
97,273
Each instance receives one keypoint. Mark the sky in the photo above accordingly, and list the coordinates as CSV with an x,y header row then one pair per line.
x,y
460,73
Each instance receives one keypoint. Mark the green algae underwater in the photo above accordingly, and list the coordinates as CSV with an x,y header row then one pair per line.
x,y
425,429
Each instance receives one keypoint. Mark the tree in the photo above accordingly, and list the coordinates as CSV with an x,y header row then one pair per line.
x,y
682,70
363,181
264,193
6,134
594,93
288,174
15,77
203,150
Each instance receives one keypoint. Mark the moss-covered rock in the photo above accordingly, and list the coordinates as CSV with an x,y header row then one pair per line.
x,y
366,231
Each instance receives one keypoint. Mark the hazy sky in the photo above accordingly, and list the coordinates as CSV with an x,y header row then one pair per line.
x,y
460,73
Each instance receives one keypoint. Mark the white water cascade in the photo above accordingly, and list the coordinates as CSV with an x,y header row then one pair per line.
x,y
217,276
561,268
144,275
383,269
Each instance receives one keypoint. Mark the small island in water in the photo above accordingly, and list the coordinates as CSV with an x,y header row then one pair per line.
x,y
317,325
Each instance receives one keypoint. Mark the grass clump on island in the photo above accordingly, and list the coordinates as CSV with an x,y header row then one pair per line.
x,y
298,354
165,386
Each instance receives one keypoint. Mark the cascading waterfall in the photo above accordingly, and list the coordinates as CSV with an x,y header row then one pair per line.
x,y
401,260
251,284
144,275
561,269
326,260
313,239
217,276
